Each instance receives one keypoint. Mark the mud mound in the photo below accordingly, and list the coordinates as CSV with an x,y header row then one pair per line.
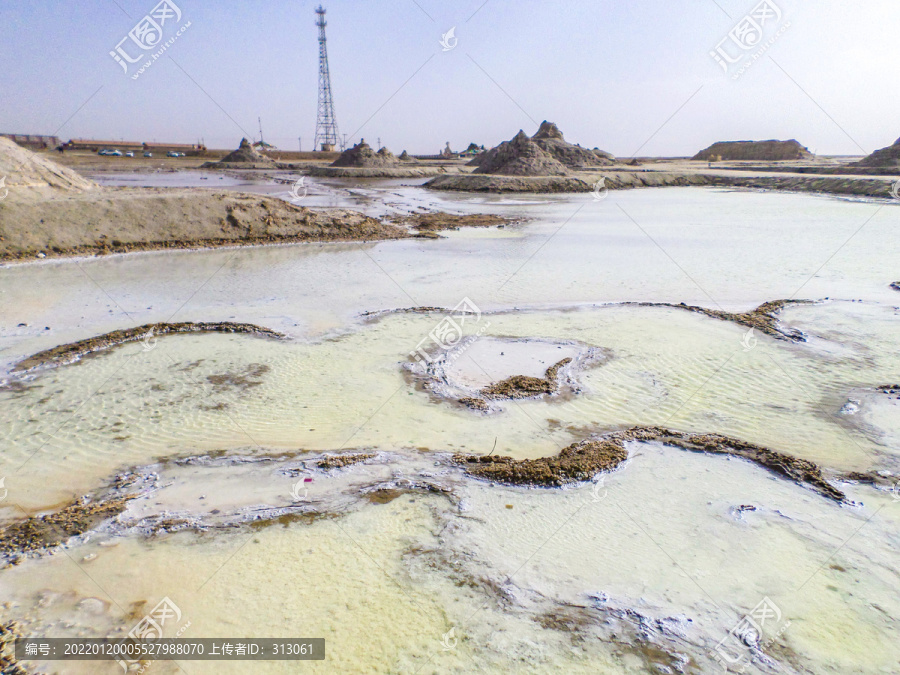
x,y
406,157
362,155
889,156
520,157
551,141
21,168
767,151
246,154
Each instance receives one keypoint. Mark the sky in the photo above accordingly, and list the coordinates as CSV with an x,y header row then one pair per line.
x,y
632,77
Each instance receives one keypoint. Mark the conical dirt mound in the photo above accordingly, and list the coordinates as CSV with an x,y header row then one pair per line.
x,y
362,155
889,157
23,168
520,157
246,154
551,141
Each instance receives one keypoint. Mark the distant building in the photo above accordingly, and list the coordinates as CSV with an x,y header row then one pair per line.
x,y
94,145
33,141
176,147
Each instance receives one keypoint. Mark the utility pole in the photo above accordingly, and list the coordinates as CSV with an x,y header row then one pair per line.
x,y
327,136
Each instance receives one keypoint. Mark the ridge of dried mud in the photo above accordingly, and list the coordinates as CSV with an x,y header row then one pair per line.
x,y
583,460
524,386
762,318
68,353
36,533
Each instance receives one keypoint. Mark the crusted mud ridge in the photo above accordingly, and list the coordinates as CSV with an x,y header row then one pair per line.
x,y
762,318
429,224
341,461
581,461
523,386
148,332
9,665
37,533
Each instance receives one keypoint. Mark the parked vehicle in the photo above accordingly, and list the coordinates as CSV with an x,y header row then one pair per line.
x,y
148,154
129,154
172,153
110,153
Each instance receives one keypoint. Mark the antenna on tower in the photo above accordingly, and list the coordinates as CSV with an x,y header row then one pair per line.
x,y
260,129
327,136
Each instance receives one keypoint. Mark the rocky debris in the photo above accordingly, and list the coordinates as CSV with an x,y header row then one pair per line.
x,y
769,151
22,168
362,155
340,461
9,665
582,461
148,333
890,390
406,157
551,140
37,533
762,318
523,386
896,285
888,157
246,154
520,157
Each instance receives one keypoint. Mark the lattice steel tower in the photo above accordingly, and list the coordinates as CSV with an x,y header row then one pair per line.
x,y
327,136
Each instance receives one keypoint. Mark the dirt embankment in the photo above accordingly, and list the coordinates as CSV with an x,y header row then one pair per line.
x,y
626,180
581,461
119,220
71,352
770,151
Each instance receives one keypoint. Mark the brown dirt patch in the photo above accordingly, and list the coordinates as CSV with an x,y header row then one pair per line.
x,y
251,377
581,461
39,532
762,318
523,386
340,461
435,222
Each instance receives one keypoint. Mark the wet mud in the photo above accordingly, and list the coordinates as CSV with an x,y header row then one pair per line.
x,y
147,333
583,460
763,318
523,386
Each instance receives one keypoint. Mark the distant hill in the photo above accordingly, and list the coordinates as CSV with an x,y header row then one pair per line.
x,y
770,151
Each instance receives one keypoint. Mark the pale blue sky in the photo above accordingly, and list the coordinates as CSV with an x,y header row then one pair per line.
x,y
609,72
